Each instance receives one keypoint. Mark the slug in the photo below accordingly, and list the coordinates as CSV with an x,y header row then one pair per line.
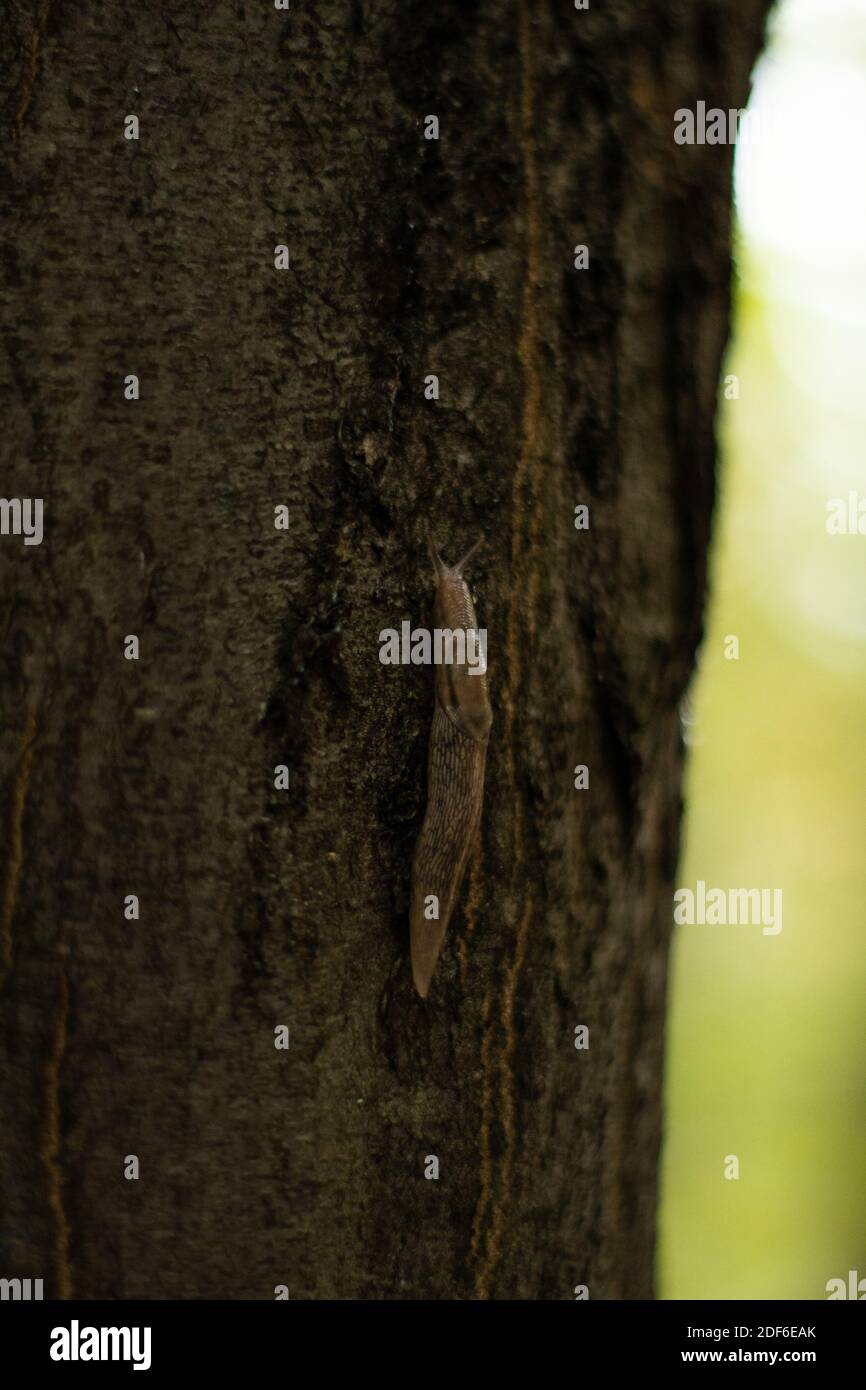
x,y
455,777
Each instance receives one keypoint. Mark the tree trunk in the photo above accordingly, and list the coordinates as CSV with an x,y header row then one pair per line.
x,y
304,387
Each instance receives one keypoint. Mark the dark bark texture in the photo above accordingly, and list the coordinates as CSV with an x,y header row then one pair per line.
x,y
305,387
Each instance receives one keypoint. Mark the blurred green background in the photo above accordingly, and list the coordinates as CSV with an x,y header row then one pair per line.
x,y
766,1037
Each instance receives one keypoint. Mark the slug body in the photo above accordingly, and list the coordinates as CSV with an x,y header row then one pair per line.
x,y
455,778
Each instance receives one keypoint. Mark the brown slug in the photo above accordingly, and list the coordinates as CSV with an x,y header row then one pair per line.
x,y
455,771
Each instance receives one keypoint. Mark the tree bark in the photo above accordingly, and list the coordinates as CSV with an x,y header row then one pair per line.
x,y
305,387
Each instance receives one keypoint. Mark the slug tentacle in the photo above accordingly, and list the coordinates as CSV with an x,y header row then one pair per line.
x,y
455,773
